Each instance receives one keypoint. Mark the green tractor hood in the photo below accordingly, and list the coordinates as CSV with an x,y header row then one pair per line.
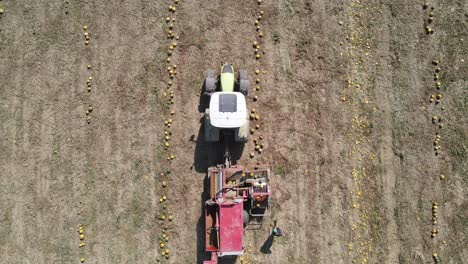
x,y
227,78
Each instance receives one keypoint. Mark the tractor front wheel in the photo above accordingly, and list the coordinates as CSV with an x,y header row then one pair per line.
x,y
243,82
210,82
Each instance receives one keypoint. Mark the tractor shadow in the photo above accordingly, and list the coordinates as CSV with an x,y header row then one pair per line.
x,y
206,154
201,255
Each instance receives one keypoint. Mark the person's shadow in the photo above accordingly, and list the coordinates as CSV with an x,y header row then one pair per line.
x,y
266,247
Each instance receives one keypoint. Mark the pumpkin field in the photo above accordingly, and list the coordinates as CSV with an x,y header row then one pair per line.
x,y
358,107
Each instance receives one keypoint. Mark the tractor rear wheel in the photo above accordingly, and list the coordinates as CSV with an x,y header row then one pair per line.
x,y
243,82
210,82
246,217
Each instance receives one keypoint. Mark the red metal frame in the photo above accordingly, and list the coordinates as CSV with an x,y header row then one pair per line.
x,y
224,210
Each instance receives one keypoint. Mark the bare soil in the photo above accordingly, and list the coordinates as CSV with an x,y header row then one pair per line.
x,y
344,110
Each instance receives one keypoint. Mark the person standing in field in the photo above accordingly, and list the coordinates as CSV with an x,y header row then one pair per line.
x,y
278,232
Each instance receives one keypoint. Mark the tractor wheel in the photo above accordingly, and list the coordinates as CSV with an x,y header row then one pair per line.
x,y
243,82
246,217
210,82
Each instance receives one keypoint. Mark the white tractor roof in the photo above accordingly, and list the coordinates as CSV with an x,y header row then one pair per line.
x,y
228,110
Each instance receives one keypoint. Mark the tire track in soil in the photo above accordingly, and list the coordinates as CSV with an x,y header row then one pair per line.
x,y
412,84
403,217
297,210
301,107
121,147
40,115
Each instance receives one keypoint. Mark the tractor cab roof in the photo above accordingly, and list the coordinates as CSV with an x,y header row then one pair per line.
x,y
227,78
228,110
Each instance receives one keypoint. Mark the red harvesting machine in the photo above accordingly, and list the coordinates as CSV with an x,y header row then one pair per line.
x,y
236,196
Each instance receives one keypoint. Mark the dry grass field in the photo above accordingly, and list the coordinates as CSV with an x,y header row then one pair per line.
x,y
363,115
